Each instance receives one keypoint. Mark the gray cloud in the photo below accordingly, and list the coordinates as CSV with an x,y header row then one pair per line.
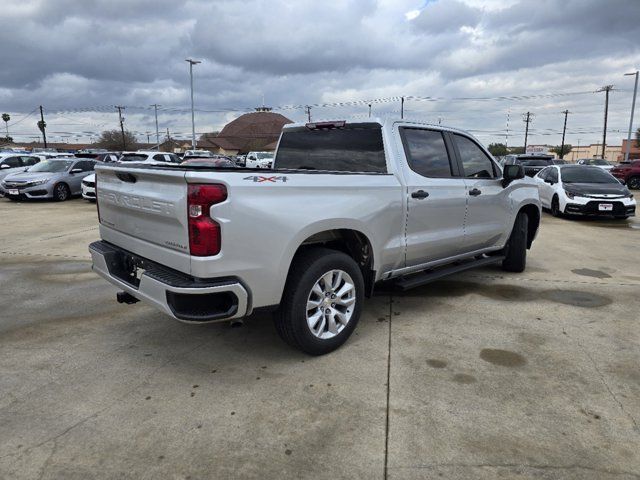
x,y
71,54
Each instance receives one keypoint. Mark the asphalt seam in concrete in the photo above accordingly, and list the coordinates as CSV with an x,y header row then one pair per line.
x,y
604,382
551,280
521,466
386,428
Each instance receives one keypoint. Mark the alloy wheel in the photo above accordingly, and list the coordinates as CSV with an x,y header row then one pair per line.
x,y
330,304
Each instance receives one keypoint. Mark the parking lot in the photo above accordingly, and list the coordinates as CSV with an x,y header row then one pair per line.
x,y
485,375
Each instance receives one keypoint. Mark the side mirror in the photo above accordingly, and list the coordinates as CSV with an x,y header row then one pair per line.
x,y
621,180
511,173
76,170
549,181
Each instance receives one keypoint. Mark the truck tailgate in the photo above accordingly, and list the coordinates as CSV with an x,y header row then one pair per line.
x,y
145,211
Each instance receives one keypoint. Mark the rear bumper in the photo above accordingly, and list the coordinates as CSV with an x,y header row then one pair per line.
x,y
185,298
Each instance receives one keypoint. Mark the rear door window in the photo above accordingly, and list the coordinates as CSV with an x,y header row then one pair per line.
x,y
426,152
553,175
356,147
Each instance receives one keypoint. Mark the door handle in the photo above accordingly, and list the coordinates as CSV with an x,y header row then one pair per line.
x,y
420,194
474,192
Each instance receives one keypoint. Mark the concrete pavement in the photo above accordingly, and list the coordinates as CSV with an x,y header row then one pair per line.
x,y
483,375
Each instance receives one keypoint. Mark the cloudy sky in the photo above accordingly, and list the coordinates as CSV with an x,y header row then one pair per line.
x,y
472,64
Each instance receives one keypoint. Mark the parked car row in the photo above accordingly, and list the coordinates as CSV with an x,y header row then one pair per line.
x,y
54,178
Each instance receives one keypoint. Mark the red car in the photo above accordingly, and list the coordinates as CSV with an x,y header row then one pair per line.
x,y
629,172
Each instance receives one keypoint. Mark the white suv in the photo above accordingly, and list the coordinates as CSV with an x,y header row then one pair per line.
x,y
151,157
259,160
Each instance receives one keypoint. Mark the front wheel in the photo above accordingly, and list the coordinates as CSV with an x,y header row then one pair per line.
x,y
516,249
555,207
634,183
61,192
322,301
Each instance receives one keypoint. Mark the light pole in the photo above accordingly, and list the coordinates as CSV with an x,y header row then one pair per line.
x,y
155,106
633,106
193,120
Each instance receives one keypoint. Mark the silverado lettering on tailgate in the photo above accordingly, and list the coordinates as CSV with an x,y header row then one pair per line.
x,y
137,203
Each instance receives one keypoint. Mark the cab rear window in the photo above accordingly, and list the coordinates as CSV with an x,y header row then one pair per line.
x,y
356,147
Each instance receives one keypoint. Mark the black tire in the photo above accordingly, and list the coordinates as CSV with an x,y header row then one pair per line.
x,y
61,192
291,318
555,207
634,183
516,249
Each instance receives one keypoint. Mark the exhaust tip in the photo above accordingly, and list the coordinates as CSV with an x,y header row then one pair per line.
x,y
125,297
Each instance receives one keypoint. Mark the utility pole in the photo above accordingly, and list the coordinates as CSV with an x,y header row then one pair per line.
x,y
369,116
506,137
527,119
307,110
564,130
401,107
193,118
42,125
124,143
633,106
606,89
155,106
148,137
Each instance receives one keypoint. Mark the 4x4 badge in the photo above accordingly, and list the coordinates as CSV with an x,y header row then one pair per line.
x,y
261,179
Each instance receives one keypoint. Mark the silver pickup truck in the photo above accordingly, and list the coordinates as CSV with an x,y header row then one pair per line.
x,y
345,208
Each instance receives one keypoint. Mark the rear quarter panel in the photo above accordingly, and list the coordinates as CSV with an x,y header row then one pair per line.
x,y
264,222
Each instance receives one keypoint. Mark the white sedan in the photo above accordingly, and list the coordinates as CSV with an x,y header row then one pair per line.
x,y
596,162
583,190
89,187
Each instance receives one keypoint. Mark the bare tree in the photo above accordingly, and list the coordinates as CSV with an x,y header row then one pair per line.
x,y
112,140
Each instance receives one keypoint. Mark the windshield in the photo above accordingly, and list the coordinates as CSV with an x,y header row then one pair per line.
x,y
536,162
586,175
52,166
262,155
599,162
133,157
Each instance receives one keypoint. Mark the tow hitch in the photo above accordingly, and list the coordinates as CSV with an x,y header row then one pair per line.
x,y
125,297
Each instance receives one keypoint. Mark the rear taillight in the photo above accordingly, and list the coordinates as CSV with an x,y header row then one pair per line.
x,y
204,232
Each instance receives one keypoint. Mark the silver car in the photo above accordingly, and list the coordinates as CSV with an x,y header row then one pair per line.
x,y
58,178
13,163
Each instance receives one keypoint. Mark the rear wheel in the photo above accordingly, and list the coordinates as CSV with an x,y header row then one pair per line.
x,y
516,249
555,206
634,183
61,192
322,301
